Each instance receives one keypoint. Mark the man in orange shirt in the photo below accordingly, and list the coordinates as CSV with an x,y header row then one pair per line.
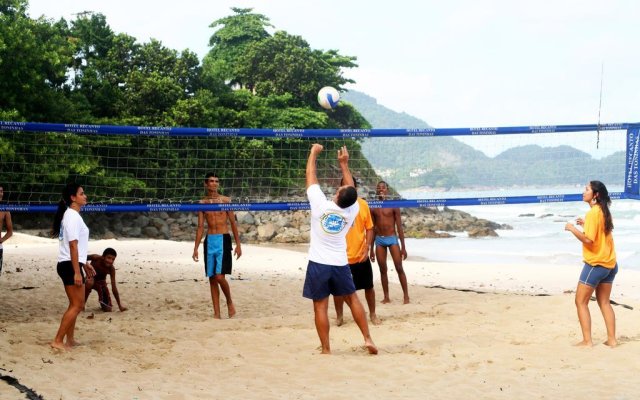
x,y
359,240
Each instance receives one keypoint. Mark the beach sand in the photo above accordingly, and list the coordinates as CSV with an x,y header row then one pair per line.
x,y
504,343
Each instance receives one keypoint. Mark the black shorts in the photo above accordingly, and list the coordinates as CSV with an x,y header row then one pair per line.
x,y
65,272
362,274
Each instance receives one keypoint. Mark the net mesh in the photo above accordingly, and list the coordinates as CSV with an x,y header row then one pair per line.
x,y
159,168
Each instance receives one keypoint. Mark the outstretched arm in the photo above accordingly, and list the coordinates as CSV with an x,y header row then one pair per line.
x,y
343,160
114,289
312,178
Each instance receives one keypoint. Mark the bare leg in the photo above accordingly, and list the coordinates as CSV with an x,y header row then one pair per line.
x,y
583,295
321,312
215,297
381,256
397,262
370,296
361,320
338,302
75,294
87,288
603,294
226,290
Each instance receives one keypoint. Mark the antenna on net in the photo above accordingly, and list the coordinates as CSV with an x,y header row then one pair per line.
x,y
600,105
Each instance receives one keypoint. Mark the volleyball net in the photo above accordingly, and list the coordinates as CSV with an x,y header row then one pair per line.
x,y
143,168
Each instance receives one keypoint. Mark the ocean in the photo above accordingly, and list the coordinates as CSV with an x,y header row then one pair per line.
x,y
538,235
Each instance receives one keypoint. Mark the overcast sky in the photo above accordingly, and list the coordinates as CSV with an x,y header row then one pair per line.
x,y
454,63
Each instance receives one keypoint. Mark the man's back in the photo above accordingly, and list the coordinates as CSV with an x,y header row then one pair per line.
x,y
329,226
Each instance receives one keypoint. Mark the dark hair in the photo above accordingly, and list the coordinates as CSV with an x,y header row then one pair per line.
x,y
383,182
109,252
355,181
70,190
601,194
210,175
347,195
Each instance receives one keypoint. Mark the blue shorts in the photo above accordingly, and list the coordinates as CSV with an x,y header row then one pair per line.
x,y
595,275
387,241
217,254
323,280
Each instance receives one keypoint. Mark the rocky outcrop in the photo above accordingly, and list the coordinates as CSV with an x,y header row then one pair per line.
x,y
256,227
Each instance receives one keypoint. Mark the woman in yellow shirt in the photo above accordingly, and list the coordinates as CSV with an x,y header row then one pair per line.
x,y
600,267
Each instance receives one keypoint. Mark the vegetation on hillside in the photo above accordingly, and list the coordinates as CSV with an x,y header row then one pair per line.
x,y
446,163
83,72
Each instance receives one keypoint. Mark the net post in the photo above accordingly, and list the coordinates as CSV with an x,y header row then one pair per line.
x,y
631,186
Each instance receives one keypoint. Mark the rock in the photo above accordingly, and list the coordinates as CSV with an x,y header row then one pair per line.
x,y
259,226
266,231
481,232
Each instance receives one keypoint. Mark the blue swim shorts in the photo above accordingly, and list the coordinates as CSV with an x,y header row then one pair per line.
x,y
594,275
217,254
386,241
323,280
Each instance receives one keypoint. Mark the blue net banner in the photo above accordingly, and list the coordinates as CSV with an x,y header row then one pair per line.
x,y
631,185
303,205
304,133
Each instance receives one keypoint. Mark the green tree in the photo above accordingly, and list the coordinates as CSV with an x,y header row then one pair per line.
x,y
34,57
228,44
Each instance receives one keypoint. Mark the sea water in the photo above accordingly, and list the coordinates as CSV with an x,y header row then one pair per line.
x,y
538,235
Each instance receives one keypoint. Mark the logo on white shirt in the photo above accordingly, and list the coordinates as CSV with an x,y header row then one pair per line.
x,y
332,223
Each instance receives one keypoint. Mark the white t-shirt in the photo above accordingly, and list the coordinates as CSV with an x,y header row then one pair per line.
x,y
73,228
329,226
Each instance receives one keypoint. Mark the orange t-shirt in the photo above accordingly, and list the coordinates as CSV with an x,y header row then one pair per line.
x,y
357,235
602,251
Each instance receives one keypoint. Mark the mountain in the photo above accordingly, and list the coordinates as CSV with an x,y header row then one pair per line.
x,y
447,163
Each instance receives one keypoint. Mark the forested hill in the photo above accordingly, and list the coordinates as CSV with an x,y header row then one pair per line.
x,y
445,162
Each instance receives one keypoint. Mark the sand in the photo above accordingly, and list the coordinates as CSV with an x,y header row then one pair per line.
x,y
508,342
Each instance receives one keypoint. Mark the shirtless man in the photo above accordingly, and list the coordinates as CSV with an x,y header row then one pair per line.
x,y
103,265
217,245
5,222
387,229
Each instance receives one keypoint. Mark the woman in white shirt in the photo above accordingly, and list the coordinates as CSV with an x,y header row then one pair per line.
x,y
73,236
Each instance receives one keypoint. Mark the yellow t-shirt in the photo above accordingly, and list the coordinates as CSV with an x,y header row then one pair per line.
x,y
357,235
602,251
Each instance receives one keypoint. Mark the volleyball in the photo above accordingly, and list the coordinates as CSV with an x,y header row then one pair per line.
x,y
328,97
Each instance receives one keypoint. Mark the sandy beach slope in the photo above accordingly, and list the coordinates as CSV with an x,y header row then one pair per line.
x,y
504,343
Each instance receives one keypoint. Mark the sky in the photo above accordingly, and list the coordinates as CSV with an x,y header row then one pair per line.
x,y
454,63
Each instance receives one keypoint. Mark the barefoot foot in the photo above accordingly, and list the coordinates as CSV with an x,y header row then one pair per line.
x,y
370,347
58,346
375,320
339,321
232,310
